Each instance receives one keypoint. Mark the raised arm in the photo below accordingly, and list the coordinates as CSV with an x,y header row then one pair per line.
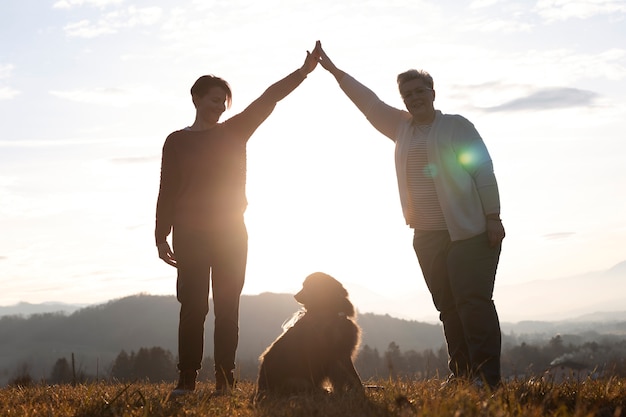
x,y
383,117
282,88
248,120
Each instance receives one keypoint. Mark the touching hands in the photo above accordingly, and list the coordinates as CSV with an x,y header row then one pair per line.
x,y
166,253
325,62
322,57
318,55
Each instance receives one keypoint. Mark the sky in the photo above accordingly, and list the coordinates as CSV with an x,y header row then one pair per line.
x,y
89,90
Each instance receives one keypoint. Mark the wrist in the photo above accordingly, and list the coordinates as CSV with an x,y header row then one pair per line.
x,y
493,217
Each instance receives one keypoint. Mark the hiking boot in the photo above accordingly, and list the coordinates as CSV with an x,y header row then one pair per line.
x,y
186,384
224,382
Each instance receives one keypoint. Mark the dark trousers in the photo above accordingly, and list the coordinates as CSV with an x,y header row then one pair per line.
x,y
460,276
216,260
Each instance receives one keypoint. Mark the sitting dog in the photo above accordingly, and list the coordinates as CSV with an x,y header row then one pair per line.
x,y
318,344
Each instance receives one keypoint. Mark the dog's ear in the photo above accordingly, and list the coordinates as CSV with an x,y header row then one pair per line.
x,y
347,308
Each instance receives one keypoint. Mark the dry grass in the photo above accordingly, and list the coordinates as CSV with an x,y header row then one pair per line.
x,y
398,398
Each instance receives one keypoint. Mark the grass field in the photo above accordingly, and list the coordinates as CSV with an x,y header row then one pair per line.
x,y
396,398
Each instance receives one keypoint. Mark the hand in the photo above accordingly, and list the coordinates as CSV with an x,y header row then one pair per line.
x,y
495,232
310,63
166,253
325,61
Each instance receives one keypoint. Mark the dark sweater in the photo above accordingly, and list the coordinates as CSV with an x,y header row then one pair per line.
x,y
203,173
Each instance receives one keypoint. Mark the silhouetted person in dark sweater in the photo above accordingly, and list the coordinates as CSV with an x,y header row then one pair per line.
x,y
202,202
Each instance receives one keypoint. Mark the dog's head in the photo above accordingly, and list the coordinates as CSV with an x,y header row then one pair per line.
x,y
323,293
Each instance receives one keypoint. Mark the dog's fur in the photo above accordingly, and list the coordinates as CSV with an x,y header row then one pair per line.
x,y
318,348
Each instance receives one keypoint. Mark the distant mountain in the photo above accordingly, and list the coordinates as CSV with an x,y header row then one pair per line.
x,y
545,300
97,334
537,300
26,309
565,298
601,293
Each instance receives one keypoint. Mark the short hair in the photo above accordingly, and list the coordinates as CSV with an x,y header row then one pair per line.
x,y
203,84
413,74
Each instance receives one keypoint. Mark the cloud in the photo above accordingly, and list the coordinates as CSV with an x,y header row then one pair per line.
x,y
559,235
479,4
112,96
85,29
68,4
547,99
135,160
7,93
490,25
115,21
552,10
6,70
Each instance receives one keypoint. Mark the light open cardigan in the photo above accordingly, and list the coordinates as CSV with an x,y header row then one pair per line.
x,y
464,179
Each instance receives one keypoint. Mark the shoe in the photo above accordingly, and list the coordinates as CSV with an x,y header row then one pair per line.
x,y
224,383
179,392
224,389
186,384
482,385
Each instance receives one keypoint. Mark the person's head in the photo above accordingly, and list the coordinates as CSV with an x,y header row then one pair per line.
x,y
211,96
418,93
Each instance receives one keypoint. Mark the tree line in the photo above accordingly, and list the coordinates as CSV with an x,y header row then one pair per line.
x,y
155,364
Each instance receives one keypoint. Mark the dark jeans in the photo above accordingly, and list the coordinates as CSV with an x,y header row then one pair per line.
x,y
460,276
217,260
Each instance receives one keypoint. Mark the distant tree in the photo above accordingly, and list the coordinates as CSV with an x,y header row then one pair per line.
x,y
556,347
154,364
61,372
369,363
22,377
524,359
122,367
395,361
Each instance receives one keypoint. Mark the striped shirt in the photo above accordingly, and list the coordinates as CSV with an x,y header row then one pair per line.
x,y
424,209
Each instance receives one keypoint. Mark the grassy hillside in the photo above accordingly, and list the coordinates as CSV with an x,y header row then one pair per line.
x,y
398,399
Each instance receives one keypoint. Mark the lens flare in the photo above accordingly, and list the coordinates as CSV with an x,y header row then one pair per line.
x,y
466,158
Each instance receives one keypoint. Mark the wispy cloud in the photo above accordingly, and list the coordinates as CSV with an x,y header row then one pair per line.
x,y
479,4
559,235
6,70
552,10
7,93
490,25
115,21
109,96
135,160
68,4
548,99
87,29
